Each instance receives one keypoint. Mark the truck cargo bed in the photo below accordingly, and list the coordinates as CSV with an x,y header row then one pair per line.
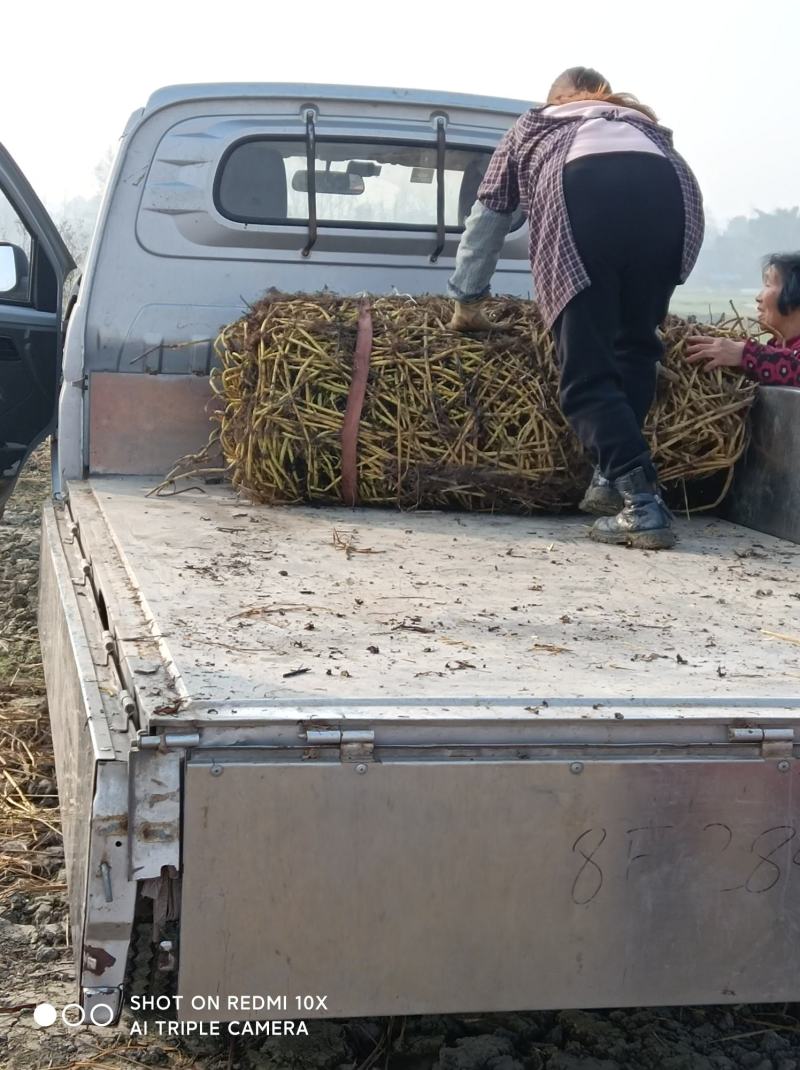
x,y
302,606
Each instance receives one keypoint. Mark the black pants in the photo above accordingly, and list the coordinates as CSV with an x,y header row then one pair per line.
x,y
627,217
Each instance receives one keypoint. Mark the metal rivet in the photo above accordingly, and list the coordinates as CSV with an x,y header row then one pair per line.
x,y
361,768
783,767
576,767
216,770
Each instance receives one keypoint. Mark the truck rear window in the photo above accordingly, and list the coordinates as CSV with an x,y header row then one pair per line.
x,y
358,184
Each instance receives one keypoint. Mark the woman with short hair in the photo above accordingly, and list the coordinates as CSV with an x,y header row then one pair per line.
x,y
778,304
616,222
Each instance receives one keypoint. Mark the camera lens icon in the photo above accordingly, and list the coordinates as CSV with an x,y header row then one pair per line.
x,y
73,1015
45,1014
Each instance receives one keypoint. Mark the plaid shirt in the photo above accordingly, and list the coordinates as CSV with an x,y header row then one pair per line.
x,y
526,169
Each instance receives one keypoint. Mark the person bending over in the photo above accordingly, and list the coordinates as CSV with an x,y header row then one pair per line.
x,y
616,222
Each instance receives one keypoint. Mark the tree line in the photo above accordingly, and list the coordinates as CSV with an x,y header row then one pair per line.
x,y
731,257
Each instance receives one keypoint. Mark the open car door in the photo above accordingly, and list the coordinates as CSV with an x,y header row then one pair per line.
x,y
34,263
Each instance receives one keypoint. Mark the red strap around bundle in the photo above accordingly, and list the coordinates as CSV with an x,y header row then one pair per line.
x,y
355,403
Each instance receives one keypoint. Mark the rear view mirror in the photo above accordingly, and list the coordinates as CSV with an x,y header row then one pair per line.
x,y
9,279
341,183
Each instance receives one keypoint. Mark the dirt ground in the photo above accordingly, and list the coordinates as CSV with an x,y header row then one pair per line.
x,y
36,960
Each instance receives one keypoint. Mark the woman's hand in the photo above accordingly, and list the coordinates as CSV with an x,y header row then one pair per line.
x,y
716,352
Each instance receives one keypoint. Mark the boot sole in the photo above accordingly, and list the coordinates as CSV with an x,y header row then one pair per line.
x,y
657,539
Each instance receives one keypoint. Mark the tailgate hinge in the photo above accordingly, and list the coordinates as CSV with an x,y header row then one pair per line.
x,y
353,745
775,742
165,741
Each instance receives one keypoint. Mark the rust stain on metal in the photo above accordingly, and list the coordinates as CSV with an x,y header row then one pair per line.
x,y
162,796
163,831
102,959
114,825
170,708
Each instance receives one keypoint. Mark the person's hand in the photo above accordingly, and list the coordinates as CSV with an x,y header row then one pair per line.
x,y
714,352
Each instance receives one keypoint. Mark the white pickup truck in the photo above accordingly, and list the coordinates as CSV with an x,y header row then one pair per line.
x,y
482,763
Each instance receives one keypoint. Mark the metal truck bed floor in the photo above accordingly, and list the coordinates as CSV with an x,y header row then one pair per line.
x,y
301,605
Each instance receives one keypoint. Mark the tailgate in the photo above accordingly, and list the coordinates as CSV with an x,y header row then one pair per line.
x,y
408,885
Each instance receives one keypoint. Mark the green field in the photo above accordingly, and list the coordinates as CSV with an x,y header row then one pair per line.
x,y
709,305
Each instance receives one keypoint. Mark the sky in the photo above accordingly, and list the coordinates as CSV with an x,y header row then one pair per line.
x,y
720,73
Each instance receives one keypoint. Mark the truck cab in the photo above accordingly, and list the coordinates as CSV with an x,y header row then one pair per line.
x,y
502,768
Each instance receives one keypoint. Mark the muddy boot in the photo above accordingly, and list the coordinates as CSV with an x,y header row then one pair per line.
x,y
470,318
601,498
644,520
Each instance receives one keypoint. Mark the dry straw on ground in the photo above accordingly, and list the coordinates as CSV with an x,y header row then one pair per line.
x,y
448,420
30,839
